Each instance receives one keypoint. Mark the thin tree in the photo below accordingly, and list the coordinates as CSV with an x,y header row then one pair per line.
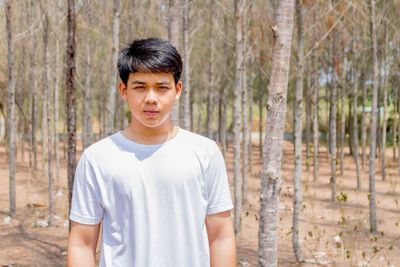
x,y
385,96
47,108
237,176
355,117
333,113
10,108
87,92
71,96
211,78
112,93
271,177
173,37
186,66
374,118
364,127
298,136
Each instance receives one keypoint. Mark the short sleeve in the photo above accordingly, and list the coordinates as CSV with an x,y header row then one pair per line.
x,y
85,205
219,197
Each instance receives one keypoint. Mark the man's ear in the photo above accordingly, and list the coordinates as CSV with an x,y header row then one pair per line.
x,y
122,90
178,88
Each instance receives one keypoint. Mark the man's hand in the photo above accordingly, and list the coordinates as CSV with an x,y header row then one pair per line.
x,y
221,239
82,243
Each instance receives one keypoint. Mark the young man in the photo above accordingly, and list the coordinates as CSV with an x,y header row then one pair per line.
x,y
161,192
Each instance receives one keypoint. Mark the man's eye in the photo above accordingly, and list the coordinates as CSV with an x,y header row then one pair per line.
x,y
164,87
138,87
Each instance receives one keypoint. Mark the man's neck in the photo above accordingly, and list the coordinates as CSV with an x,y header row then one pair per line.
x,y
150,136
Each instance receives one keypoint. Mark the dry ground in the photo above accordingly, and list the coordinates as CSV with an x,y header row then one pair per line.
x,y
23,243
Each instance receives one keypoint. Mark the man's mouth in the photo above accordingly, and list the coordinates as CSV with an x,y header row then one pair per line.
x,y
151,113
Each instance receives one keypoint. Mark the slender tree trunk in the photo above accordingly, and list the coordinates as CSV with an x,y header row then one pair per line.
x,y
394,126
260,111
385,95
48,112
211,80
112,94
355,125
236,113
222,103
374,115
87,103
173,37
363,128
56,116
71,96
333,113
271,177
245,115
186,66
308,106
342,124
315,78
298,132
10,108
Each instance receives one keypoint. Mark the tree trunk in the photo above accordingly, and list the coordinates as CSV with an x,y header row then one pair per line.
x,y
173,37
384,123
222,103
342,124
87,103
298,133
374,117
47,108
10,108
112,94
71,96
271,178
56,116
355,123
211,80
236,113
186,67
363,128
315,97
308,106
333,113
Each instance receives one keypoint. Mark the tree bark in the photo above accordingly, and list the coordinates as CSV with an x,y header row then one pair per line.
x,y
333,113
271,177
87,102
56,117
173,37
186,66
112,96
48,111
211,80
385,95
236,113
71,96
10,108
363,127
374,117
355,120
298,133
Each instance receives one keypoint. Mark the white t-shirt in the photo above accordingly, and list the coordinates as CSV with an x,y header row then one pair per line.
x,y
152,199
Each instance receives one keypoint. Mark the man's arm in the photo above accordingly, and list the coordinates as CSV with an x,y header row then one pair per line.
x,y
82,242
221,239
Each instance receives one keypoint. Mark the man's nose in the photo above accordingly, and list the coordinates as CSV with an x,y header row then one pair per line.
x,y
151,96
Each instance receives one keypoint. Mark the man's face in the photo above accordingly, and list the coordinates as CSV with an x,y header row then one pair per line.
x,y
150,97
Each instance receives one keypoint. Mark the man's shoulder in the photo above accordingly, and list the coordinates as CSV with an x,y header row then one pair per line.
x,y
104,146
197,142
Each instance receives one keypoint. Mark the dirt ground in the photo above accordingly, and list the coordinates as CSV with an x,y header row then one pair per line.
x,y
332,234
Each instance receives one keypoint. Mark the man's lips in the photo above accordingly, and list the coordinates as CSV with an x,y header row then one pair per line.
x,y
150,112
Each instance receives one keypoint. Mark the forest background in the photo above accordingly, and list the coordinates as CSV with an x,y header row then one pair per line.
x,y
338,203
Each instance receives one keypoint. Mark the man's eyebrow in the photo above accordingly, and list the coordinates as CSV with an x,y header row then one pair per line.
x,y
163,82
139,82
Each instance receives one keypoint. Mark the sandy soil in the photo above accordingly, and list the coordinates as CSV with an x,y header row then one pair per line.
x,y
23,242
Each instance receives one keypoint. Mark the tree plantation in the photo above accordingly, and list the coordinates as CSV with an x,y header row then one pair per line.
x,y
301,96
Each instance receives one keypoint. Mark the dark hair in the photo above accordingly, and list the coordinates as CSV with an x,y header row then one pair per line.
x,y
149,55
